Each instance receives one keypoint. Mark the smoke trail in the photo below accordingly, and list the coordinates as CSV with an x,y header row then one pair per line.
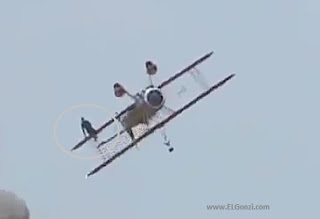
x,y
12,206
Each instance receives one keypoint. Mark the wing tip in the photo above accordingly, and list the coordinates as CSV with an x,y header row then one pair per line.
x,y
209,54
231,76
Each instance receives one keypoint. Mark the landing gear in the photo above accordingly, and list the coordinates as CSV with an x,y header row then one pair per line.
x,y
167,141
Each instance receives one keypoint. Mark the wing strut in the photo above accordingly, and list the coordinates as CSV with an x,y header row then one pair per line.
x,y
161,124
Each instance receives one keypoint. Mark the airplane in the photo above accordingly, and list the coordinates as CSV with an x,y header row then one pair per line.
x,y
146,105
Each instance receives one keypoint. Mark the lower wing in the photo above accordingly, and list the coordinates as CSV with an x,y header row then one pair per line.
x,y
158,125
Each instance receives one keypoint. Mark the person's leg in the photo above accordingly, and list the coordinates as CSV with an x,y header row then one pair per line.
x,y
93,133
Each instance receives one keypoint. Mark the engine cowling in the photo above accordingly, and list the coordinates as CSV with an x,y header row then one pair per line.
x,y
154,98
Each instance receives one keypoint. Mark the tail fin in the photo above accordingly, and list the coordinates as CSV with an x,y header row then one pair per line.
x,y
151,68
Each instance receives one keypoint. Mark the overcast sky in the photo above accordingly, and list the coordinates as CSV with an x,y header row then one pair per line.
x,y
253,141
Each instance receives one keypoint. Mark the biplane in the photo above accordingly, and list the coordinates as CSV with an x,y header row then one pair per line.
x,y
146,106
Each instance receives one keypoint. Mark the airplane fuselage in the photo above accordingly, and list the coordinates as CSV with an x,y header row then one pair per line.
x,y
147,104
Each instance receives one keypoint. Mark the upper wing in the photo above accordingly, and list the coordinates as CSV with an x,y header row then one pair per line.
x,y
185,70
159,125
163,84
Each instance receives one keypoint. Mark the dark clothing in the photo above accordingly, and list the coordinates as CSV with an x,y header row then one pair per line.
x,y
86,126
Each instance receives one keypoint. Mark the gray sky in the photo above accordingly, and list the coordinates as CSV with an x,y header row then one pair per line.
x,y
254,141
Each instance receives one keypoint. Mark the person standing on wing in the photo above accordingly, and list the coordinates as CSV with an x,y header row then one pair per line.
x,y
87,127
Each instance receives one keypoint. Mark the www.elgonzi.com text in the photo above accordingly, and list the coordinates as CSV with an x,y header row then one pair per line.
x,y
239,207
